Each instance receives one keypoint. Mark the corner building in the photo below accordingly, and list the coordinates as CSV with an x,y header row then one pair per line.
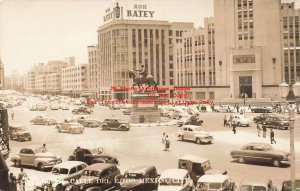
x,y
248,48
127,44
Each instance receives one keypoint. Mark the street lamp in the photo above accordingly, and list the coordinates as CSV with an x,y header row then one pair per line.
x,y
291,100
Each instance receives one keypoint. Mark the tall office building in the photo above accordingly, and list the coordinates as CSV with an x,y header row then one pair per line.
x,y
248,48
92,70
1,75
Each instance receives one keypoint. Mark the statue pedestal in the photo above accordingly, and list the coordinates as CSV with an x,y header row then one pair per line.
x,y
144,107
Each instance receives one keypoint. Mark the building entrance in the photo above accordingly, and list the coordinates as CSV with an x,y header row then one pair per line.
x,y
246,85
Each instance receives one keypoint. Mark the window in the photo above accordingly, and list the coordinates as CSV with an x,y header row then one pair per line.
x,y
73,170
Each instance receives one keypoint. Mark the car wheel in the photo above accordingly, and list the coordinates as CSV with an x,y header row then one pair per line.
x,y
104,127
58,130
41,166
17,163
198,141
276,163
241,160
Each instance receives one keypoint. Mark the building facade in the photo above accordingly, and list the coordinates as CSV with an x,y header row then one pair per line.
x,y
128,44
248,48
15,81
1,75
74,79
92,70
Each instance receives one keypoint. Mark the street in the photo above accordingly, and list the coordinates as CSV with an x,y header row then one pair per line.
x,y
142,145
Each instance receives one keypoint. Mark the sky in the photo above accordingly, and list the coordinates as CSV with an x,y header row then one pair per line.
x,y
36,31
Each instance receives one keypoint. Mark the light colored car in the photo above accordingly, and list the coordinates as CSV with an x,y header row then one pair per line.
x,y
241,120
54,106
253,185
41,106
32,108
214,182
194,133
175,180
62,172
43,120
36,157
73,128
64,106
77,102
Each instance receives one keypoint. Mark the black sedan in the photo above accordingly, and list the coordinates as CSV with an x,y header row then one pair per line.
x,y
260,153
275,122
261,118
261,110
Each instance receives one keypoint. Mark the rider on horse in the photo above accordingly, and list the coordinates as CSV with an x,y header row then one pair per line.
x,y
141,71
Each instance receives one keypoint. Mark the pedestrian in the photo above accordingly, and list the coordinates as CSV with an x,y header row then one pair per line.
x,y
238,108
272,136
264,131
12,180
230,121
22,177
167,143
234,127
163,139
79,154
12,115
225,121
44,149
258,129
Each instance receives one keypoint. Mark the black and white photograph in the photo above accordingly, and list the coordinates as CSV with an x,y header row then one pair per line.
x,y
149,95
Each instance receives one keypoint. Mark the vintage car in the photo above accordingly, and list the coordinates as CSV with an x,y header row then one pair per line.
x,y
194,133
61,174
287,185
94,155
241,120
214,182
19,133
88,122
43,120
261,110
276,122
260,153
64,106
73,127
35,157
262,117
32,108
82,110
127,111
253,185
197,166
41,106
175,179
190,120
100,176
54,106
139,178
115,124
224,109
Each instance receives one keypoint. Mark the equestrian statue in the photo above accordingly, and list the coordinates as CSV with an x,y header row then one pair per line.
x,y
141,77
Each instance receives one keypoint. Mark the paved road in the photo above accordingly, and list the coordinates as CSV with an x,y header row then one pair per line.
x,y
141,145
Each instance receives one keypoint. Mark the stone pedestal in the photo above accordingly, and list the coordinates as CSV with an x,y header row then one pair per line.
x,y
145,107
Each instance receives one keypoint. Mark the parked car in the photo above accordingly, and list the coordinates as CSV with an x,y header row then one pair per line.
x,y
261,110
139,178
82,110
197,166
194,133
35,157
41,106
64,106
190,120
175,179
90,122
100,176
260,153
287,186
54,106
77,102
224,109
215,182
32,108
241,120
61,174
127,111
275,122
261,185
261,118
42,120
73,127
115,124
19,133
95,155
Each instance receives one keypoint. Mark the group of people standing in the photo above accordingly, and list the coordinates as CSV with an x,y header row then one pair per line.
x,y
17,180
229,122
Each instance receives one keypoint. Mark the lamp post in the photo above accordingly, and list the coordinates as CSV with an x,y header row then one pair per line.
x,y
291,100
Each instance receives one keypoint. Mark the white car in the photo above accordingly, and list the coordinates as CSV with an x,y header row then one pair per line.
x,y
54,106
194,133
215,182
64,106
175,180
62,172
77,102
241,120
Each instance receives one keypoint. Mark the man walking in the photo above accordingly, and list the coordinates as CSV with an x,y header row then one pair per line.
x,y
264,131
258,129
225,121
234,127
12,115
22,177
167,143
272,136
163,139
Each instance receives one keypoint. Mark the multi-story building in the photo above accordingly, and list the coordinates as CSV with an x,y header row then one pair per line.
x,y
127,44
1,75
74,79
15,81
195,62
92,70
290,42
248,48
53,82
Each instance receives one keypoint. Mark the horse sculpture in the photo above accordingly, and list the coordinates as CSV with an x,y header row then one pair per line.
x,y
140,79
